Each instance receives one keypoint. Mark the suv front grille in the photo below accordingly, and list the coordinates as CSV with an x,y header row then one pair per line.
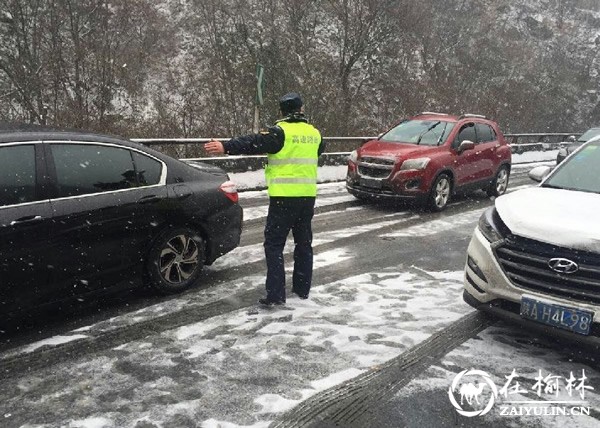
x,y
525,262
375,167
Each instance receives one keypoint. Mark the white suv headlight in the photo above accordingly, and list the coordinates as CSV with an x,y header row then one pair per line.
x,y
354,156
419,163
487,226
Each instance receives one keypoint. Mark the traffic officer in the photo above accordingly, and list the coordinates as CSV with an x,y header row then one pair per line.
x,y
293,147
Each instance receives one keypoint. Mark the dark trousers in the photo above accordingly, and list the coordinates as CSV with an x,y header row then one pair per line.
x,y
285,214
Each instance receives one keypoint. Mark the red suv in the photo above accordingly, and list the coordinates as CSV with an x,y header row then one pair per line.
x,y
429,157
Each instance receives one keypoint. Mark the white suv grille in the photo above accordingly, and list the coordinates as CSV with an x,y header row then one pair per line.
x,y
526,263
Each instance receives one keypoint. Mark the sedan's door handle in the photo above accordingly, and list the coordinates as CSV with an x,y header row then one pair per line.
x,y
150,199
28,219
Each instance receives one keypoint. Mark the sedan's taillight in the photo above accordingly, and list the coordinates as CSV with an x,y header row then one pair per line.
x,y
230,191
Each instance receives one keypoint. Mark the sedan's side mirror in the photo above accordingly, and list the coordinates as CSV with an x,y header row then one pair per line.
x,y
539,173
466,145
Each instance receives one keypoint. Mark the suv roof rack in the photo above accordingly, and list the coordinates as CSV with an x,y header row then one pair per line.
x,y
473,115
432,112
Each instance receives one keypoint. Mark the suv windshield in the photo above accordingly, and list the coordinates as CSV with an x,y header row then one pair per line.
x,y
579,172
424,132
589,134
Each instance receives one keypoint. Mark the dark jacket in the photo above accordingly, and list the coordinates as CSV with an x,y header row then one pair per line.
x,y
269,141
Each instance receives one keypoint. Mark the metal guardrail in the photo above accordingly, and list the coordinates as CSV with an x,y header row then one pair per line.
x,y
159,141
190,148
541,137
338,149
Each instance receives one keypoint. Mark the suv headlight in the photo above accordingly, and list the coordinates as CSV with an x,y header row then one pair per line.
x,y
419,163
488,225
353,156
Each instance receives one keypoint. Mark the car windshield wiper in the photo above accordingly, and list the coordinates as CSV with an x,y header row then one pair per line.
x,y
422,134
439,140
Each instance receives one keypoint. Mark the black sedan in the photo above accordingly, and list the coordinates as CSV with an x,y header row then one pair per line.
x,y
83,214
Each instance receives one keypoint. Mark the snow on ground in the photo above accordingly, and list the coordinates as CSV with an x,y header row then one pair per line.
x,y
535,156
211,423
256,179
498,351
203,296
254,253
324,189
436,226
329,173
53,341
328,194
268,361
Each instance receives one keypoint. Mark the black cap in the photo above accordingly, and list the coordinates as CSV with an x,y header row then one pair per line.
x,y
290,103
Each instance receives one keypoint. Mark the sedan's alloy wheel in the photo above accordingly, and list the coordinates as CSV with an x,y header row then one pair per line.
x,y
178,259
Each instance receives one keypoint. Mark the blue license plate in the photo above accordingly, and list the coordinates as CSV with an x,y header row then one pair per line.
x,y
571,319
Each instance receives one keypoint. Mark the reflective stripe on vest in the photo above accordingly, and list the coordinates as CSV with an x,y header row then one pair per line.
x,y
285,180
293,161
292,171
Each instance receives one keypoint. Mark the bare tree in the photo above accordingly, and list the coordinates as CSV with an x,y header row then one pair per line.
x,y
187,67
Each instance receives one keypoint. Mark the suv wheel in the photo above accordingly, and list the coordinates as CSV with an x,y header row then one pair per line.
x,y
440,193
499,185
175,260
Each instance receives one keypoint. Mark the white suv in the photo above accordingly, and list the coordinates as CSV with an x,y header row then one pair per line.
x,y
535,255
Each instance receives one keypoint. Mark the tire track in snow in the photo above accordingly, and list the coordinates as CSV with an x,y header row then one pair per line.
x,y
348,403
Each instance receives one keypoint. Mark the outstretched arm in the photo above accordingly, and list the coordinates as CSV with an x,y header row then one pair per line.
x,y
269,141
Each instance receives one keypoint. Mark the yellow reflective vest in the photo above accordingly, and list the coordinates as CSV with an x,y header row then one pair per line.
x,y
292,172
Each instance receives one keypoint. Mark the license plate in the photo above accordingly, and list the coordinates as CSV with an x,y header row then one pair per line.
x,y
571,319
371,182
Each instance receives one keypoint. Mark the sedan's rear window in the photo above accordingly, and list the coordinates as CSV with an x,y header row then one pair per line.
x,y
423,132
17,174
148,169
87,168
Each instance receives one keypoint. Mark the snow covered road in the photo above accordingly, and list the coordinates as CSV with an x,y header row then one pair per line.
x,y
386,280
